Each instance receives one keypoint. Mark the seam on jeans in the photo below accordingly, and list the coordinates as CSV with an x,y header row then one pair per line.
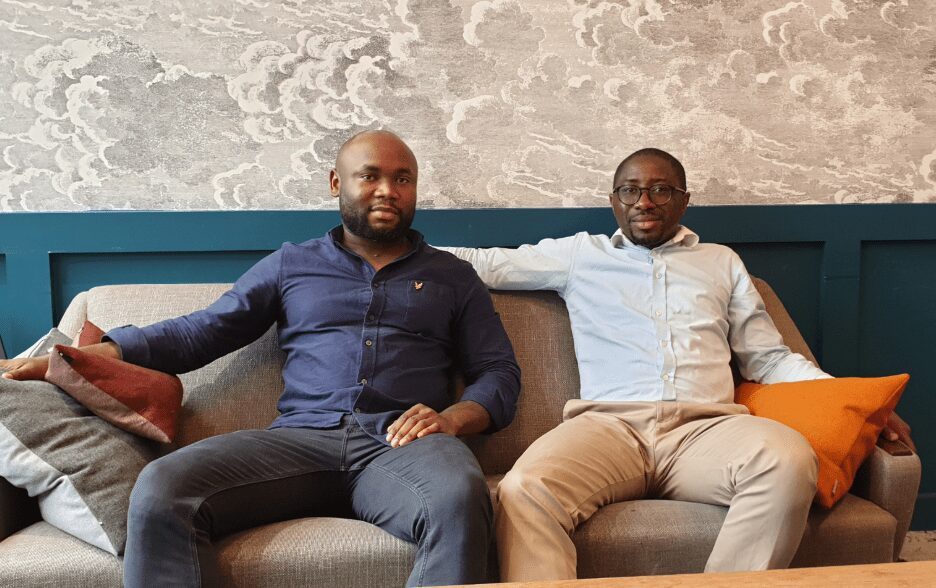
x,y
425,507
194,511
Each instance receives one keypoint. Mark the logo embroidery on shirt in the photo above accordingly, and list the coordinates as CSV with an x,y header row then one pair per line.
x,y
418,285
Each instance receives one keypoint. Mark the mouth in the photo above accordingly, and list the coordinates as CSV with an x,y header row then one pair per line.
x,y
384,212
646,222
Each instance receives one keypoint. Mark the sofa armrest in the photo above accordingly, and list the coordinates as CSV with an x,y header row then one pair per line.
x,y
17,509
890,478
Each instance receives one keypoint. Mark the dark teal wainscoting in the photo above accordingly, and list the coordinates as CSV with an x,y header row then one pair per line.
x,y
860,281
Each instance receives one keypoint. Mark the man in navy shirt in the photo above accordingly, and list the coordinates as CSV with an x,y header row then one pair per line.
x,y
372,320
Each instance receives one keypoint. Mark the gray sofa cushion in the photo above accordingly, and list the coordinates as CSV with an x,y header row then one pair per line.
x,y
41,555
317,551
673,537
81,468
304,552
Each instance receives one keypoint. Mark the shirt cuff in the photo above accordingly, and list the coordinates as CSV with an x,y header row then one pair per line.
x,y
491,404
133,345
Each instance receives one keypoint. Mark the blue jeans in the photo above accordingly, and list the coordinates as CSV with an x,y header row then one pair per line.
x,y
430,492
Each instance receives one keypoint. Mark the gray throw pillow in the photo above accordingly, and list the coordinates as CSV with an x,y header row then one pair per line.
x,y
45,344
80,467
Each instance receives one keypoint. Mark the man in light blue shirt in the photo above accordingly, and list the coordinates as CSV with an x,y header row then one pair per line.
x,y
655,318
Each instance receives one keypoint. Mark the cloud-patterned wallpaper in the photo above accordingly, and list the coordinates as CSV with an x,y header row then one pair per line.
x,y
241,104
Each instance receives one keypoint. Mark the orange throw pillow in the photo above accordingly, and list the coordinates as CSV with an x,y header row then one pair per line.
x,y
840,417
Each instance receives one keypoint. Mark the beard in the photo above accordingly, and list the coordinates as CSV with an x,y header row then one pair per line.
x,y
355,220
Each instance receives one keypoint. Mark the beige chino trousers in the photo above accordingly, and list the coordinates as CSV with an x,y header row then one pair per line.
x,y
607,452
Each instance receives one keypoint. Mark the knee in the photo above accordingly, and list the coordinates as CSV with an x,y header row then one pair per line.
x,y
788,459
466,494
157,489
522,484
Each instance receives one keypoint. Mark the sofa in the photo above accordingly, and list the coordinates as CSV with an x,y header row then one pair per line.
x,y
239,391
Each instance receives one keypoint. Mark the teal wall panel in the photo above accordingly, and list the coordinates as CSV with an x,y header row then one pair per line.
x,y
5,308
857,279
898,330
794,271
76,272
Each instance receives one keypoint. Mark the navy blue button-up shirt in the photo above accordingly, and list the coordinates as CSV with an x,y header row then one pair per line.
x,y
357,341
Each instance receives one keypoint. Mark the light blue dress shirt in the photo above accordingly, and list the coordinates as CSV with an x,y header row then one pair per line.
x,y
652,324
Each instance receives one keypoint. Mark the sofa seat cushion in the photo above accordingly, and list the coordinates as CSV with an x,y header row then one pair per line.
x,y
673,537
317,551
42,555
856,531
303,552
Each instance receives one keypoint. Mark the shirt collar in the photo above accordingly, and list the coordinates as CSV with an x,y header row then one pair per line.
x,y
684,237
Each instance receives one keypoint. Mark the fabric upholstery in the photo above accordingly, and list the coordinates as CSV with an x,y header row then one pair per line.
x,y
42,556
237,391
840,417
670,537
240,391
80,467
45,344
891,482
538,326
316,552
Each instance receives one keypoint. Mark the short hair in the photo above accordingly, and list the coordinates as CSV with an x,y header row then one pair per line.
x,y
654,152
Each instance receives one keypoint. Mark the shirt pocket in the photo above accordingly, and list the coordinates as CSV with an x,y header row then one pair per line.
x,y
430,308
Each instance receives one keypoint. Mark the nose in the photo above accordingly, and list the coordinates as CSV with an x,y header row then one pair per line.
x,y
386,188
643,201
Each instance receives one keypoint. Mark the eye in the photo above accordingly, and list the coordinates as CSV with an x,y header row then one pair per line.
x,y
659,189
629,190
367,177
403,180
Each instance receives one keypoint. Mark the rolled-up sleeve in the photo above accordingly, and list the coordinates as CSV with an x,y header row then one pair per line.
x,y
486,356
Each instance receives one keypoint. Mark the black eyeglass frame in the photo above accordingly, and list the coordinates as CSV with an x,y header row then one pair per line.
x,y
616,192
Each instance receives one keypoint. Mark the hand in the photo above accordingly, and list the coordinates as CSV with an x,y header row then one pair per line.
x,y
416,423
897,429
33,368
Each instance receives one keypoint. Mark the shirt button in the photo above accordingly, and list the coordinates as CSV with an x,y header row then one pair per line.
x,y
659,276
368,342
665,377
370,317
363,380
659,313
357,410
663,342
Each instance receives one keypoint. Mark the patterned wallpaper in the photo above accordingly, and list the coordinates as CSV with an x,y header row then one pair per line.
x,y
241,104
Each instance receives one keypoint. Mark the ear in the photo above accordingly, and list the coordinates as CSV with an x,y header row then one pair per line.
x,y
334,183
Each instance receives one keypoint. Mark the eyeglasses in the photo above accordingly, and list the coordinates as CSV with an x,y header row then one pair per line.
x,y
659,194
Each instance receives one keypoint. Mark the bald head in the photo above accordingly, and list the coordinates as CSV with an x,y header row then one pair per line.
x,y
370,139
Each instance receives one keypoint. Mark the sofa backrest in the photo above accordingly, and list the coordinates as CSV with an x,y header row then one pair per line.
x,y
240,390
237,391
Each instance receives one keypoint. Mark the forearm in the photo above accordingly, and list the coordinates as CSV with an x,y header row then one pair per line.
x,y
467,417
107,349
